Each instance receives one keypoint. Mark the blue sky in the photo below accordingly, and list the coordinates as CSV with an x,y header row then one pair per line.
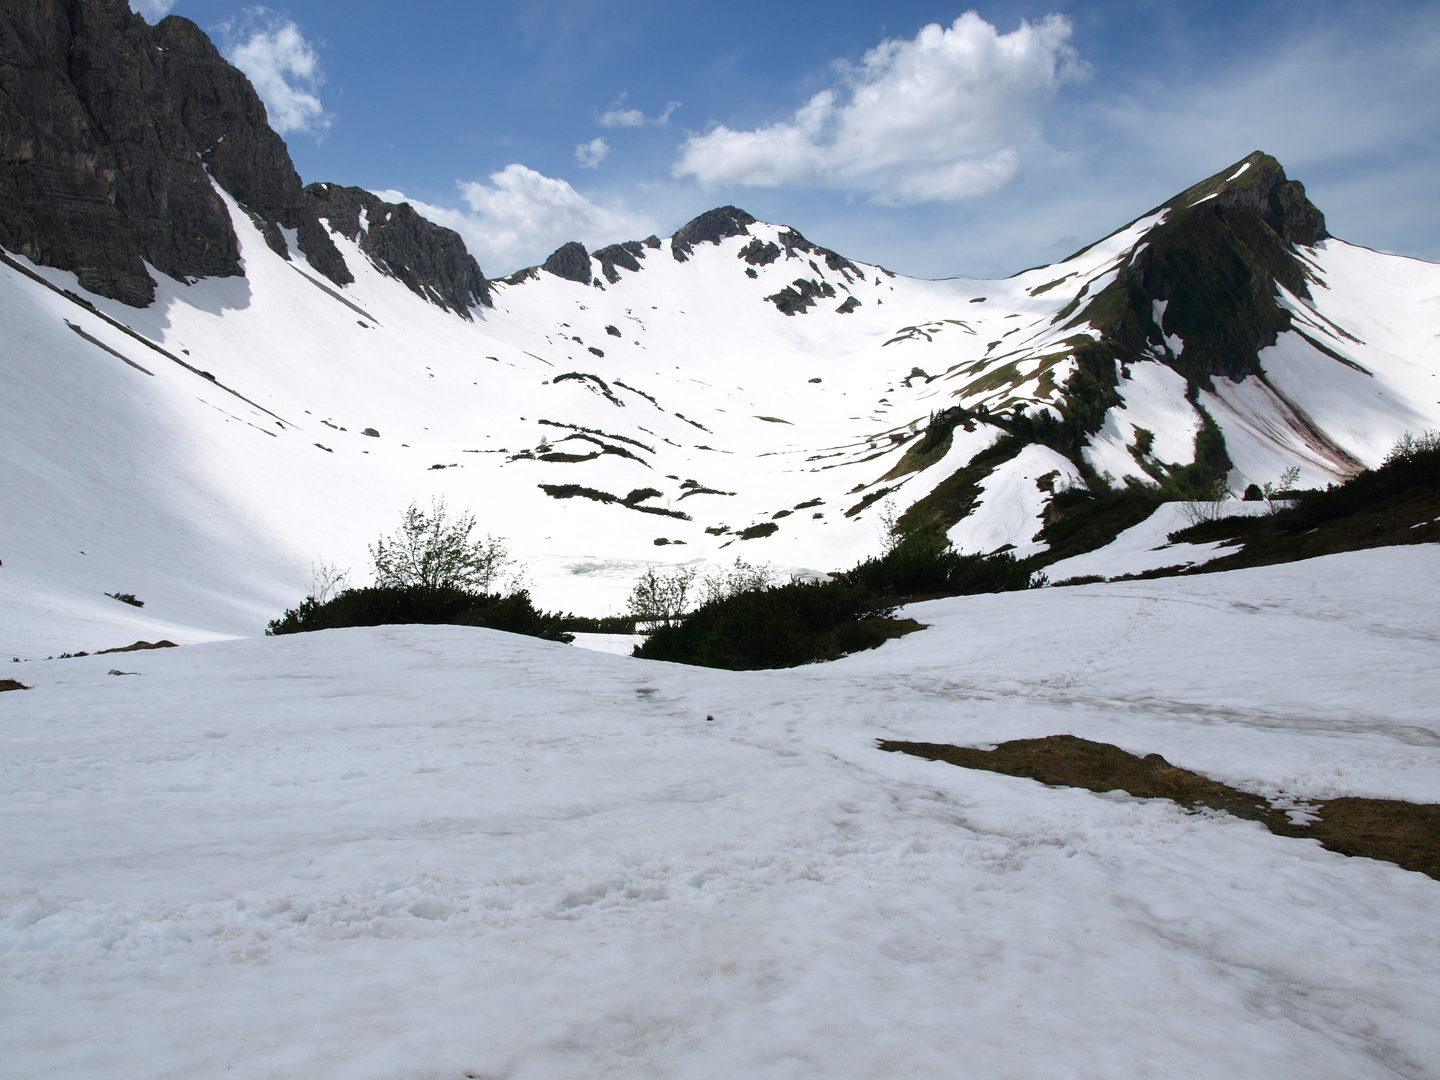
x,y
1005,136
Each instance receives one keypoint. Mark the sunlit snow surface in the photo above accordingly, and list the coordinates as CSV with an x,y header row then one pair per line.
x,y
438,852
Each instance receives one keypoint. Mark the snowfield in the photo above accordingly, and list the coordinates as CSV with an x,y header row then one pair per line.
x,y
438,852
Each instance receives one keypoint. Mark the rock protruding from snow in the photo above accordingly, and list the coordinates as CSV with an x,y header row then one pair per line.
x,y
570,261
111,132
431,260
795,243
760,252
710,227
799,296
626,255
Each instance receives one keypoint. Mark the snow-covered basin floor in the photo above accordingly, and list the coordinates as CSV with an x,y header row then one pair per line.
x,y
433,851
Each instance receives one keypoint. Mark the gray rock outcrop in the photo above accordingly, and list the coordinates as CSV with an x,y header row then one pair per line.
x,y
431,260
710,227
110,130
626,255
570,261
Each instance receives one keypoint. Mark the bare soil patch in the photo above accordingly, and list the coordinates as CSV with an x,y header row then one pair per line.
x,y
1407,834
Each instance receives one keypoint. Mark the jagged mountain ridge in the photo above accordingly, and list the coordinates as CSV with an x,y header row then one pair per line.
x,y
431,260
111,130
737,390
112,133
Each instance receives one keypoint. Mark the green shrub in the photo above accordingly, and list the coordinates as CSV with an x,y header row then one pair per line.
x,y
1413,462
404,604
805,621
781,626
924,562
434,551
1069,497
661,597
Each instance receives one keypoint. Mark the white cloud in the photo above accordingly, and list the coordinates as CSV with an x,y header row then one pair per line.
x,y
153,10
938,117
519,216
284,68
591,153
618,117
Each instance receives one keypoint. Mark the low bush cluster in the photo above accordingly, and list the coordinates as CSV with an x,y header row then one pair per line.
x,y
389,604
757,625
780,626
1413,462
926,564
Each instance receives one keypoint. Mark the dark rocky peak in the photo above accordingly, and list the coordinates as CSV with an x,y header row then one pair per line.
x,y
1257,185
626,255
228,126
570,261
710,227
1216,261
95,175
104,124
431,260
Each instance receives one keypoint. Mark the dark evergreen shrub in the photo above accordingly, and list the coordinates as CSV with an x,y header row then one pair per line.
x,y
1415,464
1071,496
606,624
805,621
381,606
780,626
926,563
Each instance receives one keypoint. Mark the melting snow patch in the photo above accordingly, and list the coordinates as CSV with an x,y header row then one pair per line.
x,y
1147,546
1009,510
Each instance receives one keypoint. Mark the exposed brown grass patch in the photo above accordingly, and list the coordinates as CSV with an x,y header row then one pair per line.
x,y
1407,834
140,646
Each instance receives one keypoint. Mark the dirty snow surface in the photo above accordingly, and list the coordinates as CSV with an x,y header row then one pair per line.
x,y
439,852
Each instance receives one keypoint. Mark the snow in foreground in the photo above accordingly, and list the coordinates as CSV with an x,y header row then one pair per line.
x,y
437,851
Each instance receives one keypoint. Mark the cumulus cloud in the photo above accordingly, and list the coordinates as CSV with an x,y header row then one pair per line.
x,y
937,117
283,67
591,153
518,216
153,10
617,116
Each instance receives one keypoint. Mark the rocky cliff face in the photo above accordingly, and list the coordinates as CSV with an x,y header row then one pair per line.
x,y
429,259
107,129
1213,263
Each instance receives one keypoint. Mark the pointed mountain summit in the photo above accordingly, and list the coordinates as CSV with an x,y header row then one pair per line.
x,y
1213,263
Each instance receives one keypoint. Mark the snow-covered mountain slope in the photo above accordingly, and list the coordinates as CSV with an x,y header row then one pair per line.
x,y
439,851
735,390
